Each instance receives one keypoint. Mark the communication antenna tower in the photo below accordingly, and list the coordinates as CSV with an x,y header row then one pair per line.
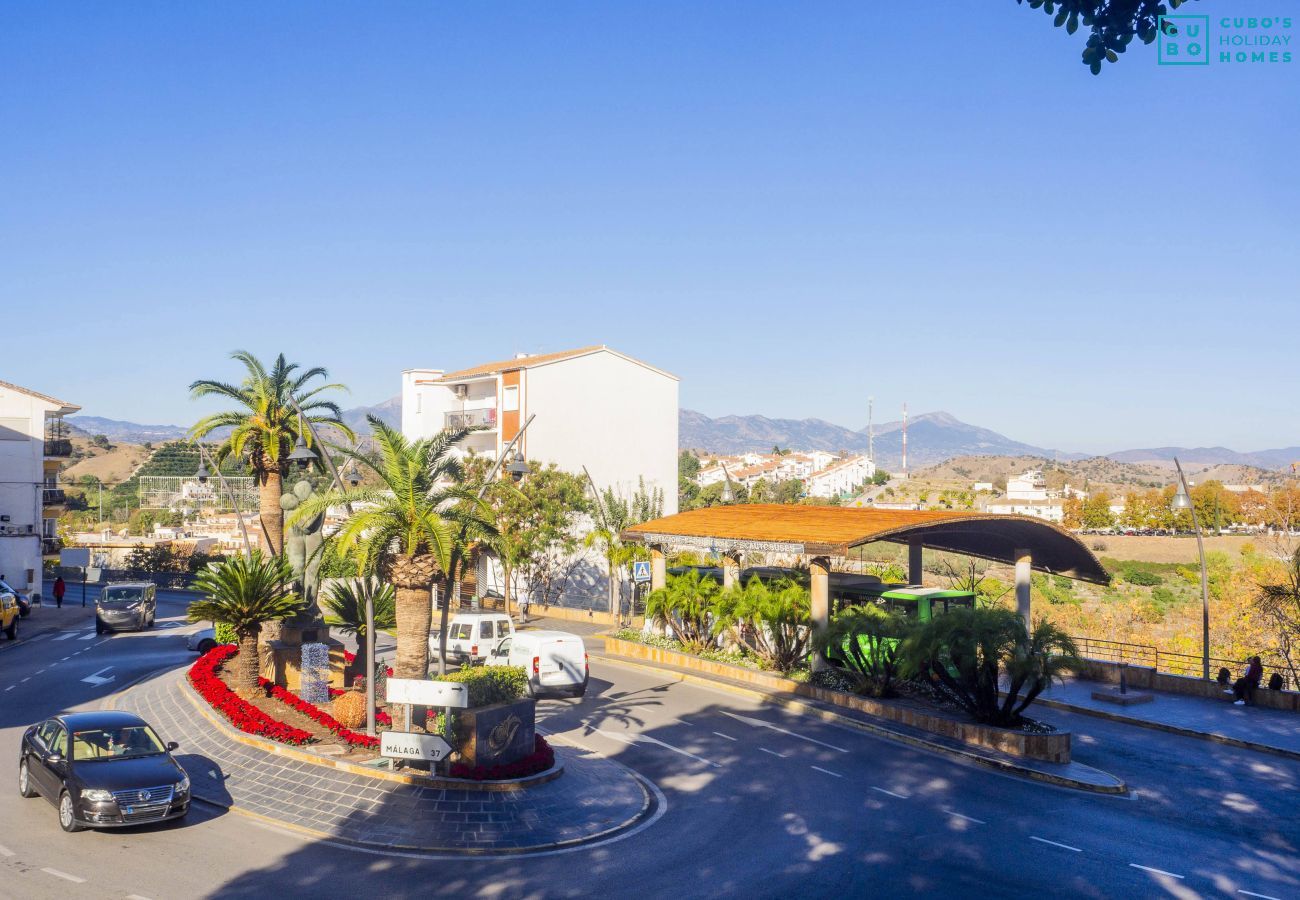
x,y
904,440
871,432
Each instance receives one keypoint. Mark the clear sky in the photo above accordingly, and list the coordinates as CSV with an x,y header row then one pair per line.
x,y
790,206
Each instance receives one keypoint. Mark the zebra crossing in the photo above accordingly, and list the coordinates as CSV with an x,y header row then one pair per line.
x,y
90,635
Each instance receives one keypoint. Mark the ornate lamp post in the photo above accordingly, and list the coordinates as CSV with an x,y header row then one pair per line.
x,y
1183,500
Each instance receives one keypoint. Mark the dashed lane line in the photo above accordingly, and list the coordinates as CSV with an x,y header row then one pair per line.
x,y
66,636
774,753
890,793
828,772
957,815
64,875
136,897
759,723
5,851
721,735
646,739
11,687
1156,871
1056,844
1261,896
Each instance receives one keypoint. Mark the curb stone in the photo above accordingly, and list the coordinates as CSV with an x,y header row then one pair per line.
x,y
1116,787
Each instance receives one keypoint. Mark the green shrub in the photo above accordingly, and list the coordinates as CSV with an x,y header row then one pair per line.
x,y
490,684
225,634
1142,578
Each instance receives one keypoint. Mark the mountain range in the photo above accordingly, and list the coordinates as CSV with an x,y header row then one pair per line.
x,y
931,438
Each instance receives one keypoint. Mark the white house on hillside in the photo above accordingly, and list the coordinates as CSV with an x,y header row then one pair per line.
x,y
33,443
841,477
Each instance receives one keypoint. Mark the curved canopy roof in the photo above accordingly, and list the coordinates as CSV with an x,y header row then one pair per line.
x,y
834,530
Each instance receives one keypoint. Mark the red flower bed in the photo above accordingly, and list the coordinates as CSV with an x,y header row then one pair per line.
x,y
242,714
248,718
541,759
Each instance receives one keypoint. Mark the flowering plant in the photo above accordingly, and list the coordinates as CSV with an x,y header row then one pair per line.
x,y
238,711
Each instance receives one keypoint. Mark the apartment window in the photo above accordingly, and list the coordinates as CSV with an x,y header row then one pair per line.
x,y
419,401
510,398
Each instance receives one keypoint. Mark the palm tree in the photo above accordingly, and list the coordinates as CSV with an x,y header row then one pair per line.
x,y
245,592
411,528
345,609
686,606
771,621
265,427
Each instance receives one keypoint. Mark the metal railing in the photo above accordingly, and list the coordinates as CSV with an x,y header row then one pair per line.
x,y
470,418
58,447
1176,663
53,496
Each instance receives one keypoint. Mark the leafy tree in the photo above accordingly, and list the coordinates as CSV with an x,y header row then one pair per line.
x,y
1114,23
265,426
614,514
415,526
1072,512
101,441
881,477
345,609
1279,601
1096,511
771,621
685,605
688,464
967,650
865,639
245,593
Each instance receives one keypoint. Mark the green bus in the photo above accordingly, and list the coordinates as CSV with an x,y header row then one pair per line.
x,y
918,604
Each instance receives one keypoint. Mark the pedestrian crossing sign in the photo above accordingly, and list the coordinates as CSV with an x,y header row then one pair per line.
x,y
641,570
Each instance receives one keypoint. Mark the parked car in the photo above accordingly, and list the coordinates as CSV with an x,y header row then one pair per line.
x,y
556,661
202,640
9,615
471,635
24,607
101,770
128,605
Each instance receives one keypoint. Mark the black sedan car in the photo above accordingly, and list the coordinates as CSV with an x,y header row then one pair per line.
x,y
102,770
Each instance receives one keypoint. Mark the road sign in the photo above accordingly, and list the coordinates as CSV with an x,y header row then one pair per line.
x,y
427,693
74,557
409,745
641,570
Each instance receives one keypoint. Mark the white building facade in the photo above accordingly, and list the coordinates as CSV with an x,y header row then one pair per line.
x,y
33,443
841,478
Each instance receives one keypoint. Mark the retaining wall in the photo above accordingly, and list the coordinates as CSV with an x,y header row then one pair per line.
x,y
1148,678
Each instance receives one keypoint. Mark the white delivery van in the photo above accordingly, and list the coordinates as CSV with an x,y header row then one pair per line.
x,y
471,635
556,661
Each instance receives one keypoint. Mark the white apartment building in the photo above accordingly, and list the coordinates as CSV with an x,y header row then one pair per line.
x,y
1027,496
1028,486
33,443
841,477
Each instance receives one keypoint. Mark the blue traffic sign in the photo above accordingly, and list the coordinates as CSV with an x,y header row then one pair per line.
x,y
641,570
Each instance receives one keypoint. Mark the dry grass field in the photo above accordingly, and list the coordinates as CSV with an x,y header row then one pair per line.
x,y
110,466
1180,549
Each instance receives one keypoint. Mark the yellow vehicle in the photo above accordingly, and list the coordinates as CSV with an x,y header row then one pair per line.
x,y
9,615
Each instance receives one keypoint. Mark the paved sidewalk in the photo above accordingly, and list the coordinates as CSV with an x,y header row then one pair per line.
x,y
1270,730
593,798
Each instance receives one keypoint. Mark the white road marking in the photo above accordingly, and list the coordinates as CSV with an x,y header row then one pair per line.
x,y
721,735
88,636
890,793
828,772
98,678
64,875
774,753
135,897
5,851
1261,896
64,637
1055,844
645,738
11,687
65,659
28,678
1156,871
104,641
957,815
759,723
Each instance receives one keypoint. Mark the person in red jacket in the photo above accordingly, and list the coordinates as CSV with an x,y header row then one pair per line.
x,y
60,588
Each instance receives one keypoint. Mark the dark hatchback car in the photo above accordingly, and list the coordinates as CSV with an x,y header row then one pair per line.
x,y
102,770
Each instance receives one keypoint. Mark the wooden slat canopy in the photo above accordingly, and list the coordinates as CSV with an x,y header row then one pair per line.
x,y
834,530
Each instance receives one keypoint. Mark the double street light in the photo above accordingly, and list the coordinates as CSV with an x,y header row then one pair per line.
x,y
1183,501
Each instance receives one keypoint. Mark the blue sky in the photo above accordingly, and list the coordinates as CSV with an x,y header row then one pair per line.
x,y
791,206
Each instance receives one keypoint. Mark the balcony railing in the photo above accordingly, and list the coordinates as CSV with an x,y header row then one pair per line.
x,y
470,418
50,546
58,447
53,496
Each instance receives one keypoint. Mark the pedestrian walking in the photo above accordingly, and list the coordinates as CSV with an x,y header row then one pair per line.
x,y
60,588
523,610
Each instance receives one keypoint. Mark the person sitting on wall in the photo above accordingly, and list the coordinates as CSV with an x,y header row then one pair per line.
x,y
1244,688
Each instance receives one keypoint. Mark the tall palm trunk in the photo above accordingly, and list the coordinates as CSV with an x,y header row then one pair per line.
x,y
246,664
269,510
412,576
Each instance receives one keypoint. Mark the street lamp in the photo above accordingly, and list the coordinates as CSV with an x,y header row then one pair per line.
x,y
518,468
354,476
1183,501
301,455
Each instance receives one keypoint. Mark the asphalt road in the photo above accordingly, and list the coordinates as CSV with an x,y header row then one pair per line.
x,y
757,802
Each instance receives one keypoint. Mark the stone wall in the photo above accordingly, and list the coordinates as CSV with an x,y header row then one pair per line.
x,y
496,735
1147,678
1054,747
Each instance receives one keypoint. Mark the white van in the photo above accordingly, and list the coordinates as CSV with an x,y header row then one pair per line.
x,y
471,635
556,661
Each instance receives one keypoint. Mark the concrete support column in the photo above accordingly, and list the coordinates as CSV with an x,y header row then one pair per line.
x,y
819,571
658,568
730,569
915,575
1024,562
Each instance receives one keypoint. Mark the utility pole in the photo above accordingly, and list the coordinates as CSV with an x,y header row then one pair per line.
x,y
871,433
904,440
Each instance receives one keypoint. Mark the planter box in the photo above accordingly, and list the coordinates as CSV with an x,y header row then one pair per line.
x,y
496,735
1054,747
